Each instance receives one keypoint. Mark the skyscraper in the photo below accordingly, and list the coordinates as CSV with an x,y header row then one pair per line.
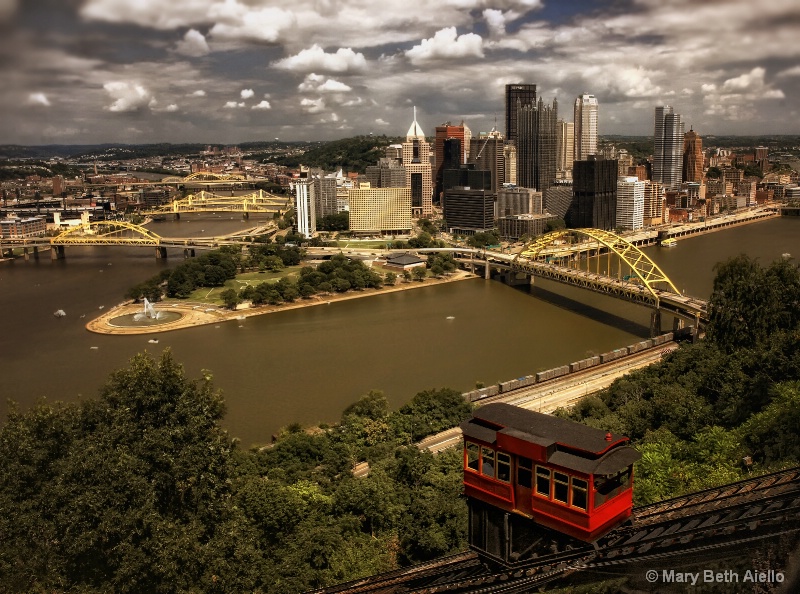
x,y
444,132
594,194
536,144
305,207
417,163
487,153
521,94
630,203
692,157
566,148
668,148
585,127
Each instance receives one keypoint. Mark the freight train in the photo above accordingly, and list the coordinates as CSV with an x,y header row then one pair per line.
x,y
543,376
537,484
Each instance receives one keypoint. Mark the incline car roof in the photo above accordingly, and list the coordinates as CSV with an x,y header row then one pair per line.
x,y
542,429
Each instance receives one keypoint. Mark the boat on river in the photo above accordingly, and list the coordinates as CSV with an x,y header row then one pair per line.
x,y
671,242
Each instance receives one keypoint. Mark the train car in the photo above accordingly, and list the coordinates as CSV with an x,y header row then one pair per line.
x,y
533,480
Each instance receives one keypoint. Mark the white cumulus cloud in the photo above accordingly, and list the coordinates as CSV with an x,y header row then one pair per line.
x,y
247,93
752,80
38,99
316,83
233,105
235,21
193,44
128,96
198,93
446,44
315,58
313,105
263,105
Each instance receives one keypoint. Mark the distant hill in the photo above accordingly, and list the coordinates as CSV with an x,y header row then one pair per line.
x,y
349,154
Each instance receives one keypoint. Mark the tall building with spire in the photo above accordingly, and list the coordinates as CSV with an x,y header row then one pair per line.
x,y
537,136
585,126
519,94
692,157
417,163
668,148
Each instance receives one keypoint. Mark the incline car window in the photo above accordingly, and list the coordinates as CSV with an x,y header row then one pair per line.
x,y
543,481
503,467
487,467
579,498
561,487
473,456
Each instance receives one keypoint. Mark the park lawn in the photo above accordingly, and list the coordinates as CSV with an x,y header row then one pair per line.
x,y
212,296
362,245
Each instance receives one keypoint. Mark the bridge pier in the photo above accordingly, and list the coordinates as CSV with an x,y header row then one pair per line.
x,y
188,253
177,216
246,215
655,323
161,252
677,324
57,252
27,252
487,271
7,253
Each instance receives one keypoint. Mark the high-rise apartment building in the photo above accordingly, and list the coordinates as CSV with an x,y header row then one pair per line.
x,y
566,149
305,207
519,94
594,194
325,202
585,126
692,157
537,135
630,203
417,163
388,173
668,148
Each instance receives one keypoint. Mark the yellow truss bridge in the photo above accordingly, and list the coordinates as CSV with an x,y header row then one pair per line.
x,y
204,176
255,202
107,233
605,262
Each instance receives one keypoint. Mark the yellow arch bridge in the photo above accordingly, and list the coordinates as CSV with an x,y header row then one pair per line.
x,y
599,261
204,176
254,202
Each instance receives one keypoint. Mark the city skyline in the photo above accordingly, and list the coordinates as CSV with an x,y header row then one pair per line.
x,y
230,71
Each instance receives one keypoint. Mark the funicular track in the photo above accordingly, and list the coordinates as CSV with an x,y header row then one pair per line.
x,y
704,522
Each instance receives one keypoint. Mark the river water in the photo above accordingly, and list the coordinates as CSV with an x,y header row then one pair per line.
x,y
306,365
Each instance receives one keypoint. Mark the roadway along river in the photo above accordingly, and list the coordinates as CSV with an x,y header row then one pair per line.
x,y
306,365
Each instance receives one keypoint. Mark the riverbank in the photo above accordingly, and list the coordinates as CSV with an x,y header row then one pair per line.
x,y
200,314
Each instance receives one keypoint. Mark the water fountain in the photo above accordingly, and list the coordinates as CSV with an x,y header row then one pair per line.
x,y
148,316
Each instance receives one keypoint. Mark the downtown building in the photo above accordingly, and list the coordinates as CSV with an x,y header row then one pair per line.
x,y
379,211
488,153
516,95
305,206
668,148
692,157
469,210
444,133
537,139
630,203
417,163
566,149
594,195
585,122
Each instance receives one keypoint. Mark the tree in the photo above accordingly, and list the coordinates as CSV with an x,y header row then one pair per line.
x,y
553,225
230,298
407,274
127,493
420,273
390,278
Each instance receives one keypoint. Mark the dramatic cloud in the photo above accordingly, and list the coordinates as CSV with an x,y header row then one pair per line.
x,y
147,13
315,58
263,105
193,44
315,83
444,45
236,21
313,105
128,96
233,105
38,99
247,93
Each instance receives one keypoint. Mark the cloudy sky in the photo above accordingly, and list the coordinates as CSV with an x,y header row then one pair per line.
x,y
228,71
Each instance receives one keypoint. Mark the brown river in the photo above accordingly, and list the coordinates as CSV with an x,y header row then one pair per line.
x,y
307,364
